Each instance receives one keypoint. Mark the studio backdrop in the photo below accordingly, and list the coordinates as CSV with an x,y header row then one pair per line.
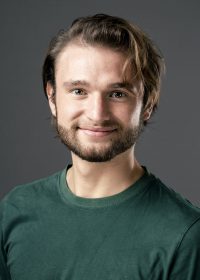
x,y
170,144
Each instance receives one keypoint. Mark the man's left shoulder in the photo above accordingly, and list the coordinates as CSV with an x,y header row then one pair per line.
x,y
174,210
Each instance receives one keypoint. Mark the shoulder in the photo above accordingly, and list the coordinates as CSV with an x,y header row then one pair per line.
x,y
173,200
171,209
26,194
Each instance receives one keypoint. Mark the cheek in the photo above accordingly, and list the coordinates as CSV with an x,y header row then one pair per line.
x,y
129,115
67,111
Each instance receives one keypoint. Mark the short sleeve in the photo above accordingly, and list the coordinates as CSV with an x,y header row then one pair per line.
x,y
4,274
186,265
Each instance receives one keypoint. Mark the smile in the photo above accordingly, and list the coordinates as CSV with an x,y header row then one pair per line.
x,y
98,132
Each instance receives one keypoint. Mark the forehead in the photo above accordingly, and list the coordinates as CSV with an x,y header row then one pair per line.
x,y
79,58
95,67
82,47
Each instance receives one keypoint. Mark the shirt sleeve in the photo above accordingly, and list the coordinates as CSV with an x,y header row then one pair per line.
x,y
186,265
4,273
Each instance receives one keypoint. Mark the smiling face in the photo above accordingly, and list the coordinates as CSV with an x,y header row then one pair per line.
x,y
98,112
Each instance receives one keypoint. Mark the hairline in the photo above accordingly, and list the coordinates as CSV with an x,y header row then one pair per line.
x,y
81,42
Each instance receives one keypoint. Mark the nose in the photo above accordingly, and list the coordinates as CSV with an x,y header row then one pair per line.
x,y
98,108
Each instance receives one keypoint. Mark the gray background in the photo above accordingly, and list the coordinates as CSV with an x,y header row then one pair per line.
x,y
170,146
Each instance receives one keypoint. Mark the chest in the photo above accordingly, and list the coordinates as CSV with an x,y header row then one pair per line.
x,y
69,247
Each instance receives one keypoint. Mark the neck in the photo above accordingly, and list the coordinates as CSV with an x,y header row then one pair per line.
x,y
96,180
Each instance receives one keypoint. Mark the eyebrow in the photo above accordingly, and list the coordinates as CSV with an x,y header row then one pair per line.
x,y
125,85
76,83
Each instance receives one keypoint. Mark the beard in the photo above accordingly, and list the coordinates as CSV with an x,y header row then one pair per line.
x,y
121,140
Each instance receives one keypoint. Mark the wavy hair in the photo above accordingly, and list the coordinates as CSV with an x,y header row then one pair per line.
x,y
120,35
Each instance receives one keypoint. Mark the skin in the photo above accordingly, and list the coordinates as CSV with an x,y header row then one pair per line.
x,y
89,105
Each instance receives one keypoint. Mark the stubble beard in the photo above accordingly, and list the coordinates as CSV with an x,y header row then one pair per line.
x,y
121,141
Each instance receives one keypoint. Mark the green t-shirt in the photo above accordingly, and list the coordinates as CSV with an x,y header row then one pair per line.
x,y
146,232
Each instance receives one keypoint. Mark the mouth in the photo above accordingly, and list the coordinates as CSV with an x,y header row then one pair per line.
x,y
97,131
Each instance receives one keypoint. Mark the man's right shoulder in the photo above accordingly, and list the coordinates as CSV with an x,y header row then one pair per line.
x,y
37,188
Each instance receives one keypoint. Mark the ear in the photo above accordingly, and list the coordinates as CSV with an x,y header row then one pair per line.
x,y
51,98
148,110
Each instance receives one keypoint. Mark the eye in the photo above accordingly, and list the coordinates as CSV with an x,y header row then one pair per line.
x,y
77,91
118,94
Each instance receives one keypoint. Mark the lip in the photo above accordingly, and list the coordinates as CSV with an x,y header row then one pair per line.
x,y
97,131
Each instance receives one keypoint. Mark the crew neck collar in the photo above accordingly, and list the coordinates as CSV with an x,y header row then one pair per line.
x,y
133,190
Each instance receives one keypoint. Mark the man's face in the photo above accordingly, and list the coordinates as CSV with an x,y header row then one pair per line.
x,y
98,115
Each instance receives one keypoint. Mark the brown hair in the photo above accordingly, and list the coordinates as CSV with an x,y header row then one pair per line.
x,y
120,35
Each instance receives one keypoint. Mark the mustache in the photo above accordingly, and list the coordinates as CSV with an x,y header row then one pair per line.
x,y
77,124
105,123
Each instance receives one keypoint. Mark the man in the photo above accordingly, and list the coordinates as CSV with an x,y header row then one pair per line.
x,y
105,216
